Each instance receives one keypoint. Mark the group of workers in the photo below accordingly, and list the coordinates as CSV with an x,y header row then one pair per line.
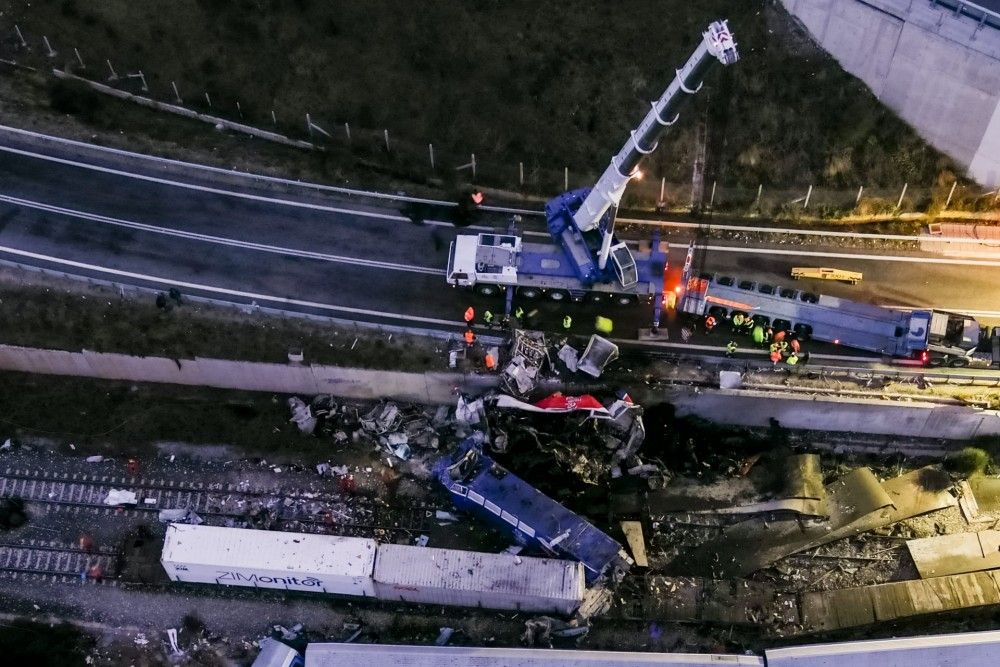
x,y
782,345
602,324
489,361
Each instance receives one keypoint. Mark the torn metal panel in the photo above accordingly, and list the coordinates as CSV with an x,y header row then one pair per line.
x,y
803,477
518,377
569,356
302,415
382,419
599,353
856,502
803,506
956,554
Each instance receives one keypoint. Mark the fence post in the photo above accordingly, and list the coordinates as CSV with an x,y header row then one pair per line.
x,y
239,109
520,172
857,200
808,195
386,133
114,74
711,200
79,58
314,126
177,95
901,195
473,163
347,131
430,149
209,100
663,185
565,179
274,118
49,51
950,193
17,29
760,190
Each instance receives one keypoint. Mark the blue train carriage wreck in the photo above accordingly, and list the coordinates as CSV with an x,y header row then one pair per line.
x,y
481,486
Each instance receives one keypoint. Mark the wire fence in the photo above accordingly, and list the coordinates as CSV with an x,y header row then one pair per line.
x,y
426,162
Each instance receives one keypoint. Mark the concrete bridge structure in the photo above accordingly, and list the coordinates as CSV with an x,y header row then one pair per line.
x,y
936,63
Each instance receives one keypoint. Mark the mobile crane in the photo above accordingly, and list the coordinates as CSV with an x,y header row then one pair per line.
x,y
585,260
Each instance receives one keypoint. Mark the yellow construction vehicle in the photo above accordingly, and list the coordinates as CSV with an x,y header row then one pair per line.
x,y
852,277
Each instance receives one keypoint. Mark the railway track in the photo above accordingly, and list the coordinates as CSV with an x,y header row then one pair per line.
x,y
55,561
219,503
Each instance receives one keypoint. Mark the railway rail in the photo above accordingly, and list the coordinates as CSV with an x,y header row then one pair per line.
x,y
219,503
56,561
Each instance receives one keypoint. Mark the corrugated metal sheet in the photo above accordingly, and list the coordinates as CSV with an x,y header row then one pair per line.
x,y
955,650
469,578
383,655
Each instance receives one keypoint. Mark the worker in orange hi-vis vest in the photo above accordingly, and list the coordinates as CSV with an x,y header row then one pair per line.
x,y
470,337
491,363
470,314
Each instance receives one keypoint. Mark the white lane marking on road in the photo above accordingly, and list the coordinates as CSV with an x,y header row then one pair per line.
x,y
219,240
845,255
222,290
408,198
220,170
205,188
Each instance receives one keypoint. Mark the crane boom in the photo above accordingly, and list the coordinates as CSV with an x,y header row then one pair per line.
x,y
582,221
717,43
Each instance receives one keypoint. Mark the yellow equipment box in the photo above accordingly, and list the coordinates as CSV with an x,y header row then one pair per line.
x,y
853,277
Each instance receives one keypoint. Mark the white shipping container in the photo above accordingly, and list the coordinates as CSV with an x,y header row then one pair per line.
x,y
473,579
269,559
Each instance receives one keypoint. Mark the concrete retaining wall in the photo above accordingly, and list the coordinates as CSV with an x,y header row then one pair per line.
x,y
910,419
735,407
940,72
431,388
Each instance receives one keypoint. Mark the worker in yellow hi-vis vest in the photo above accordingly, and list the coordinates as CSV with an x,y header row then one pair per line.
x,y
603,324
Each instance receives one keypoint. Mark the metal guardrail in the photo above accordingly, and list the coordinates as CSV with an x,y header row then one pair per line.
x,y
977,12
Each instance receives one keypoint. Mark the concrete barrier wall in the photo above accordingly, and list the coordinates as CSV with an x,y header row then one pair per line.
x,y
909,419
735,407
432,388
938,71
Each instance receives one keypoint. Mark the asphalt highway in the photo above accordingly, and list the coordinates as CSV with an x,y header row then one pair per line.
x,y
333,252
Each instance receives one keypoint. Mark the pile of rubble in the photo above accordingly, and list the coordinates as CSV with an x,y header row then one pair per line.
x,y
529,357
595,440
